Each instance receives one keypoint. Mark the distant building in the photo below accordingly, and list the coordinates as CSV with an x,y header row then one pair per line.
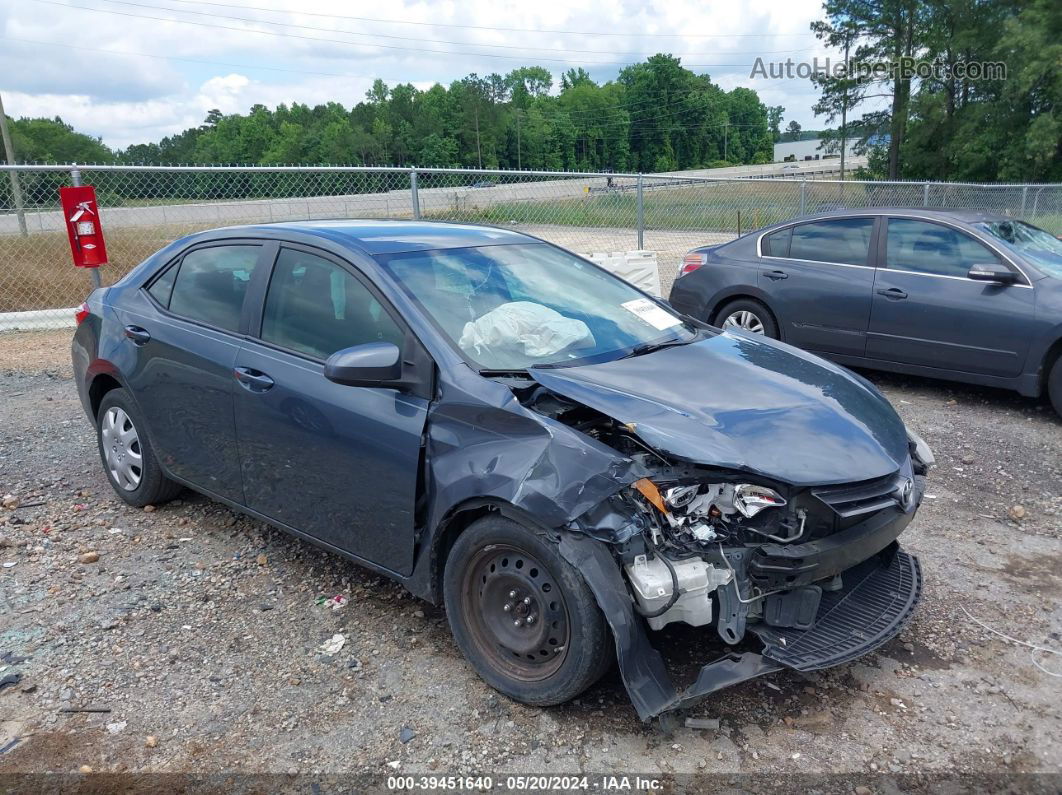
x,y
806,150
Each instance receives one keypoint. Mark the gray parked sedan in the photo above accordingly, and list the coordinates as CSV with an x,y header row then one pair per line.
x,y
961,295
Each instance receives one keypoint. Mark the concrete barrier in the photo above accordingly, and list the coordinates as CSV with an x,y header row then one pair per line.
x,y
640,268
37,319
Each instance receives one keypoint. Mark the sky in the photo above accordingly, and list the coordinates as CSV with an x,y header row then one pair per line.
x,y
133,71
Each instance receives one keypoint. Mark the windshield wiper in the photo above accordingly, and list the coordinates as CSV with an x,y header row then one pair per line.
x,y
489,373
649,347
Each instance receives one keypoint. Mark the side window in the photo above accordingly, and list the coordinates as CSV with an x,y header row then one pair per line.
x,y
210,284
845,241
922,247
162,287
776,244
316,307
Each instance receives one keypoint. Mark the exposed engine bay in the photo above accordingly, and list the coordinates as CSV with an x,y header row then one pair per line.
x,y
700,546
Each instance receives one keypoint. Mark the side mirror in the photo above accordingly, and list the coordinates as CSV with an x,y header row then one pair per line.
x,y
371,364
994,272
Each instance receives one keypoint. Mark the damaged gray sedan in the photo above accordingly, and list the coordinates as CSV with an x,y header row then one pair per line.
x,y
566,463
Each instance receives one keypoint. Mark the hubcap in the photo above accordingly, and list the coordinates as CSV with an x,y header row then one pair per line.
x,y
516,613
121,448
744,319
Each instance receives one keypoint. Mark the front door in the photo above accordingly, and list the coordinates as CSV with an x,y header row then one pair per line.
x,y
818,276
927,312
181,335
338,463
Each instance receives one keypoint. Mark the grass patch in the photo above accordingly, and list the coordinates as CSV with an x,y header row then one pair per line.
x,y
36,272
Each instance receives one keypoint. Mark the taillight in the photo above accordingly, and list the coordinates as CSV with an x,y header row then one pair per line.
x,y
81,313
691,262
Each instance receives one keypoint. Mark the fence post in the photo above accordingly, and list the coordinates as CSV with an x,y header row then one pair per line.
x,y
803,197
75,180
925,195
641,214
1024,198
414,194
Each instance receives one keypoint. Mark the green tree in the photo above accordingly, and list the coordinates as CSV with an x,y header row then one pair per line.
x,y
874,31
55,141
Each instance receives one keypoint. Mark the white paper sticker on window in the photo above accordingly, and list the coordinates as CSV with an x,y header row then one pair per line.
x,y
651,313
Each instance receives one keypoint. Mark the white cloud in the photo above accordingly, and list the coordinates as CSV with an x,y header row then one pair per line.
x,y
132,98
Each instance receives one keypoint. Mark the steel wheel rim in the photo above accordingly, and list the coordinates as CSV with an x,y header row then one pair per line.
x,y
744,319
121,449
515,613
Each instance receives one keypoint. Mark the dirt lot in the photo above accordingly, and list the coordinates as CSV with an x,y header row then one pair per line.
x,y
199,630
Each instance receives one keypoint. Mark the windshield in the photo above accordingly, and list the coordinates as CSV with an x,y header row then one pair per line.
x,y
514,307
1039,247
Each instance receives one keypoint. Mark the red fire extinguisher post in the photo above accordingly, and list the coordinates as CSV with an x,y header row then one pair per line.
x,y
82,215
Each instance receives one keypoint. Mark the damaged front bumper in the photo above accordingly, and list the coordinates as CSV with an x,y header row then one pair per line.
x,y
877,599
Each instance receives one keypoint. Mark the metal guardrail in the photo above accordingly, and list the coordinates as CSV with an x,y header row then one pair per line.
x,y
146,207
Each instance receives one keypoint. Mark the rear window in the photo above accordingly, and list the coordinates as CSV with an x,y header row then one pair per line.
x,y
211,283
844,241
776,244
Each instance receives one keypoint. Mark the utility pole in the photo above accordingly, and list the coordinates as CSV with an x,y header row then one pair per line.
x,y
726,130
518,167
844,105
9,155
479,152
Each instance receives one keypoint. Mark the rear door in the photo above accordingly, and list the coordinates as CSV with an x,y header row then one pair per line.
x,y
338,463
819,277
182,333
927,312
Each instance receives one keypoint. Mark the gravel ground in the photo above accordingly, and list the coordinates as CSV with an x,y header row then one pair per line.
x,y
200,631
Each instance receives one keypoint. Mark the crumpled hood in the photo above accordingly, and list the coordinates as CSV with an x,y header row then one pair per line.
x,y
744,403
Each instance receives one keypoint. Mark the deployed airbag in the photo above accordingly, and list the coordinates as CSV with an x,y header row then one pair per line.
x,y
531,328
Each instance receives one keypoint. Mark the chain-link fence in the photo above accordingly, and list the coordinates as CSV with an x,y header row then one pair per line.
x,y
146,207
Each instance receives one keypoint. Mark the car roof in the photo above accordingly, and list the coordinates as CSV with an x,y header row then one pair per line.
x,y
377,236
964,216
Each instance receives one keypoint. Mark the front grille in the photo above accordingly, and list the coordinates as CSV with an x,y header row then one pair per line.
x,y
867,497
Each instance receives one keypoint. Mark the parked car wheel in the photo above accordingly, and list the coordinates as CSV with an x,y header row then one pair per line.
x,y
128,459
747,314
1054,385
522,615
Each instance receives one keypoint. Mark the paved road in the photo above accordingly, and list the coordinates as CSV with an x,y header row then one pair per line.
x,y
395,203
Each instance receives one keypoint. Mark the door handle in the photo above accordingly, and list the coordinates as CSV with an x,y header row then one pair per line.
x,y
138,335
777,275
893,294
253,380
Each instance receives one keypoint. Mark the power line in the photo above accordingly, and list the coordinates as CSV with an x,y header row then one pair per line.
x,y
341,41
409,38
65,46
497,28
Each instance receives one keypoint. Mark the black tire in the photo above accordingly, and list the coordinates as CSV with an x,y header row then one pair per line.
x,y
1054,385
752,306
550,661
138,482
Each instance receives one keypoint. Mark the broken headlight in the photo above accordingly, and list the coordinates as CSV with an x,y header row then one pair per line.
x,y
920,452
750,499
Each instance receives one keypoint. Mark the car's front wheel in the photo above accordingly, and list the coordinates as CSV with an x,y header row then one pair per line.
x,y
128,459
522,615
749,315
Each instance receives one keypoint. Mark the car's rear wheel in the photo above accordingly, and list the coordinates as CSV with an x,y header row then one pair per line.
x,y
749,315
1054,385
128,459
522,615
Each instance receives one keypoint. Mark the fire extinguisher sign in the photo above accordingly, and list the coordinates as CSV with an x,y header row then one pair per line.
x,y
82,215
